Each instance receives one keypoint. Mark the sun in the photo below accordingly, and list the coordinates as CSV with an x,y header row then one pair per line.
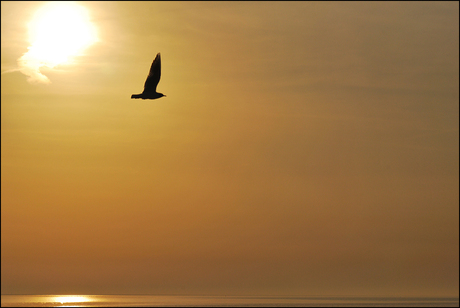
x,y
58,31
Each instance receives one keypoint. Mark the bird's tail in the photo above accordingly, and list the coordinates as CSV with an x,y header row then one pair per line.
x,y
136,96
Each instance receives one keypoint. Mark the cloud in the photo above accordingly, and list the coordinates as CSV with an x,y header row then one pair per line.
x,y
29,65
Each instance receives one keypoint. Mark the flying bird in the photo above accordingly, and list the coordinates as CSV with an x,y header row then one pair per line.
x,y
150,86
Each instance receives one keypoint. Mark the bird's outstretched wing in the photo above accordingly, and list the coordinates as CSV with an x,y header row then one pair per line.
x,y
154,76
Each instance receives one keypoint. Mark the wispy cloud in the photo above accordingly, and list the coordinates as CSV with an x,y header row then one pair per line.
x,y
30,65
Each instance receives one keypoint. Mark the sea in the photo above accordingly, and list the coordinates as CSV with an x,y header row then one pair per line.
x,y
220,301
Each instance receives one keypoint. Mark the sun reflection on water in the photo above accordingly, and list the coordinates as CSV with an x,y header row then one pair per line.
x,y
66,299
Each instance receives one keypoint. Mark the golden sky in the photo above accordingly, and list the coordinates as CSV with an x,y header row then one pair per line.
x,y
302,148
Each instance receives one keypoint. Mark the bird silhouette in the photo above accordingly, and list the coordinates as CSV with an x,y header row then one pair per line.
x,y
150,86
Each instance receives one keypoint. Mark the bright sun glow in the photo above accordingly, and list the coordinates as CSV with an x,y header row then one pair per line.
x,y
71,299
58,31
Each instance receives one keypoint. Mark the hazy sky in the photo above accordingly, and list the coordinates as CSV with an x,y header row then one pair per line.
x,y
302,148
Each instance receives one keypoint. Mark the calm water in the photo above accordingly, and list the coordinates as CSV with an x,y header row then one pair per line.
x,y
219,301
